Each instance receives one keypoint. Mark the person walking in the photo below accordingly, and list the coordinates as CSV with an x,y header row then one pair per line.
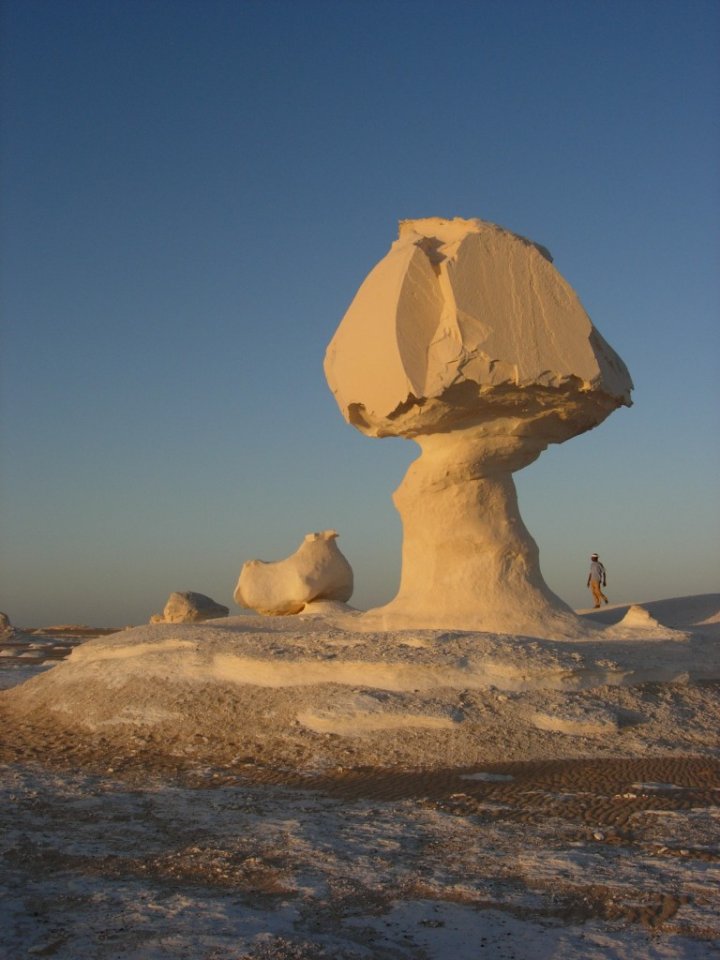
x,y
597,579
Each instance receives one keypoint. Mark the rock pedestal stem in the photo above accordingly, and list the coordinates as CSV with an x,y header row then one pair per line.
x,y
467,557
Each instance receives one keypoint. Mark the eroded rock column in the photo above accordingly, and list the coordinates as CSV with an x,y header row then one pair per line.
x,y
467,557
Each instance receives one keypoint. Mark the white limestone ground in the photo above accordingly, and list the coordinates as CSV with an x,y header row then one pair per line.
x,y
96,868
614,859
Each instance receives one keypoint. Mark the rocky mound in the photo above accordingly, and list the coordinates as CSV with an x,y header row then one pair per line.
x,y
310,693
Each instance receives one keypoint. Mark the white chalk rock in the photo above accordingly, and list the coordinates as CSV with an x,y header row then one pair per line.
x,y
638,616
190,607
316,571
466,339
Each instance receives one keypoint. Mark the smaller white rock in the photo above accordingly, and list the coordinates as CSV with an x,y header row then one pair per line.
x,y
190,607
316,571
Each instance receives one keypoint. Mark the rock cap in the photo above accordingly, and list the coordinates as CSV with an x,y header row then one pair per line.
x,y
464,323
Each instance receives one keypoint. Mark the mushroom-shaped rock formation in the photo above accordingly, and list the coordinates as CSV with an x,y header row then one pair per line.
x,y
316,571
190,607
466,339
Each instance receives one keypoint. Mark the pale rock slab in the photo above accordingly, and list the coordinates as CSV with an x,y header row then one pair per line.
x,y
466,339
190,607
317,571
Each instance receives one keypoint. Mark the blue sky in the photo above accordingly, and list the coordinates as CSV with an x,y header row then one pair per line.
x,y
192,193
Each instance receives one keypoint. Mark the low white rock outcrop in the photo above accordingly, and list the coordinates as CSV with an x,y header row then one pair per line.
x,y
190,607
316,571
466,339
313,694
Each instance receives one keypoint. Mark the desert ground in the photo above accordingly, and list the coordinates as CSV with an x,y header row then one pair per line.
x,y
480,796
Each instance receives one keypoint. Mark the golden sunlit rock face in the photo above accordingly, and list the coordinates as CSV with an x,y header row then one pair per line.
x,y
466,338
465,322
